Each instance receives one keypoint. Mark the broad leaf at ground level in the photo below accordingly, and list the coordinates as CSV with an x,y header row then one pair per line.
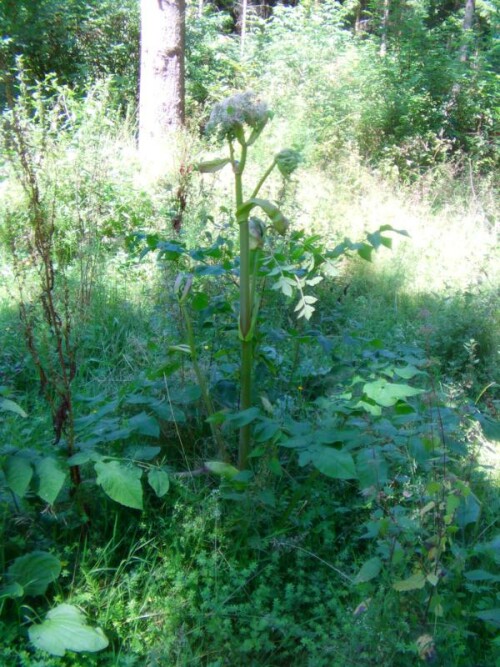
x,y
333,462
65,630
35,571
121,483
387,393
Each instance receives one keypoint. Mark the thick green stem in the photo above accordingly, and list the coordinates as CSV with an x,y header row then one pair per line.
x,y
245,310
245,401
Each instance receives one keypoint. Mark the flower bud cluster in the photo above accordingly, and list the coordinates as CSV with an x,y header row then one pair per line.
x,y
229,116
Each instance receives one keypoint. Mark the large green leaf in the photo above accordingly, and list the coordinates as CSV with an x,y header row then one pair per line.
x,y
413,583
121,483
35,571
242,418
159,481
144,453
387,393
51,479
65,630
468,511
333,462
18,474
408,372
145,425
369,570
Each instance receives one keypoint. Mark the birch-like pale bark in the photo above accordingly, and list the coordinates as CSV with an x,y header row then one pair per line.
x,y
161,93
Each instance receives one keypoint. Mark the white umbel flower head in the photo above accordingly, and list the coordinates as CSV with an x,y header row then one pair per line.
x,y
229,116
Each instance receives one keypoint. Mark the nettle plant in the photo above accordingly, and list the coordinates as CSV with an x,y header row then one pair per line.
x,y
29,576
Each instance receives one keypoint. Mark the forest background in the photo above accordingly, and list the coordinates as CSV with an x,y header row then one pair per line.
x,y
302,471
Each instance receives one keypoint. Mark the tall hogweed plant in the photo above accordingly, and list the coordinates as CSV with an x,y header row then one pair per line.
x,y
261,266
239,120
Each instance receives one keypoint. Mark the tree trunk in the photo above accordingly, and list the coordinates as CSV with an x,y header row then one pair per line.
x,y
385,27
467,27
161,95
243,25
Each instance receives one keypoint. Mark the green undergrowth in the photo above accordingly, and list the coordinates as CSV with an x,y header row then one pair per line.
x,y
364,528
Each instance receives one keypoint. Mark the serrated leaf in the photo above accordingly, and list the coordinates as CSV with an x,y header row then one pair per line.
x,y
303,309
121,483
416,581
314,281
285,285
159,481
51,479
145,424
64,630
265,430
334,463
18,473
387,393
35,571
243,417
369,570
